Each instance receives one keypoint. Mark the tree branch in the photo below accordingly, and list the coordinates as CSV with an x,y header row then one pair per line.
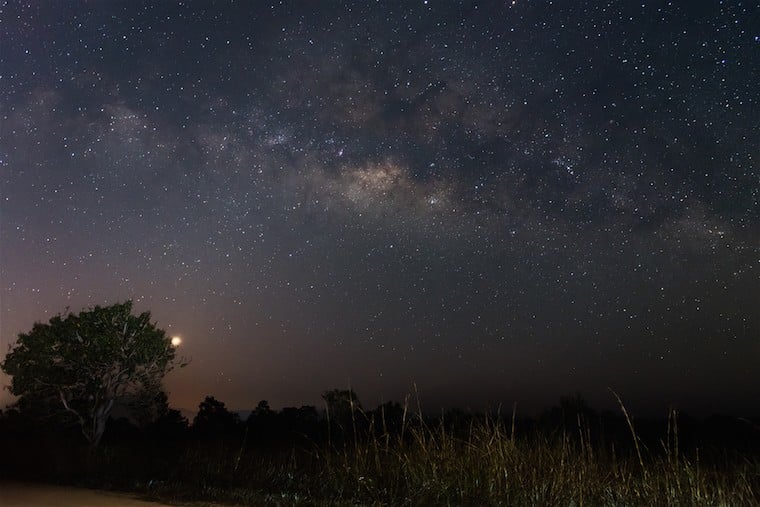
x,y
82,422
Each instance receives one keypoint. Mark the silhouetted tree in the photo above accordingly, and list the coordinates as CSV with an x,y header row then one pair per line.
x,y
148,407
343,409
85,364
214,420
263,410
261,422
172,425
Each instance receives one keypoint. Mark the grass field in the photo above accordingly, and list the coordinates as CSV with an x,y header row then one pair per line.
x,y
412,460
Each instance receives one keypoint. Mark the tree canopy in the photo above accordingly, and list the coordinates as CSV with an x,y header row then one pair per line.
x,y
214,419
342,407
86,363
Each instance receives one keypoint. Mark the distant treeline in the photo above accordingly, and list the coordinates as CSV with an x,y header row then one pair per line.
x,y
343,418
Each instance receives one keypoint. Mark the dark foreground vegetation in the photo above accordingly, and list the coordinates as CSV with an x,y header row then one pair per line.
x,y
394,455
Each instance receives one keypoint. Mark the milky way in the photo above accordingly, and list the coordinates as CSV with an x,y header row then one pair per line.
x,y
496,201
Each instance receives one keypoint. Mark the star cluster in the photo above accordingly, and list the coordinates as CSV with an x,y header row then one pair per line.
x,y
497,201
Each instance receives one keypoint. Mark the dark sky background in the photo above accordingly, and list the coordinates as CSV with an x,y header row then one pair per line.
x,y
498,201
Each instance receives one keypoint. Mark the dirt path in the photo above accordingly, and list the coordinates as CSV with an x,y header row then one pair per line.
x,y
21,494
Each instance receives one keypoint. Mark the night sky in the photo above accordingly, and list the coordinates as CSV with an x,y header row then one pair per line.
x,y
498,201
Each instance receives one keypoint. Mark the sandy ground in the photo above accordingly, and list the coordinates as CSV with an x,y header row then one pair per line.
x,y
21,494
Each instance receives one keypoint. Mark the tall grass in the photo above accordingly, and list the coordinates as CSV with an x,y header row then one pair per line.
x,y
429,463
489,460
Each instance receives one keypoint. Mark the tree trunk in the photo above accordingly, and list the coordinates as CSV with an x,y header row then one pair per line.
x,y
100,417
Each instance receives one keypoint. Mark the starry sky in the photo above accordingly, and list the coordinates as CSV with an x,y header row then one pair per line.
x,y
496,201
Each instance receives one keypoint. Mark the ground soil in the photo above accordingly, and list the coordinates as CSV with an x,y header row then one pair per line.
x,y
22,494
